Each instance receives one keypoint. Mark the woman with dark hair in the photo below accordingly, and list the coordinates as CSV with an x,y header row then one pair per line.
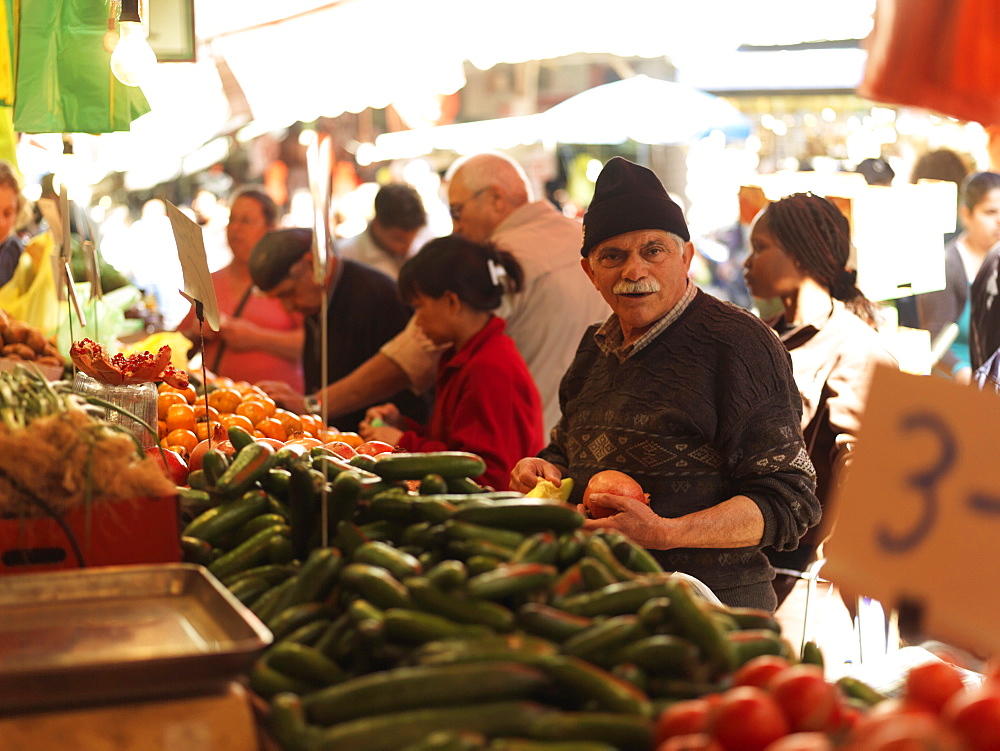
x,y
799,248
979,211
13,212
485,399
257,338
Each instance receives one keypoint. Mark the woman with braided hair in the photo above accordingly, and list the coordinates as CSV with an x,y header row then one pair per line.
x,y
799,249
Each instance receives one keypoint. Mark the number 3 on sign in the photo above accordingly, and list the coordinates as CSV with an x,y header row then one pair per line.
x,y
919,509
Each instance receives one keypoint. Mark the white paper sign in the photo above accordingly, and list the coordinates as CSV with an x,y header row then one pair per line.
x,y
919,511
194,263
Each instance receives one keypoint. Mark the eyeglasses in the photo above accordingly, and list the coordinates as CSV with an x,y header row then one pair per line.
x,y
455,209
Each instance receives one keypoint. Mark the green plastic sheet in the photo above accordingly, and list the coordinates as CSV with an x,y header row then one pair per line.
x,y
63,79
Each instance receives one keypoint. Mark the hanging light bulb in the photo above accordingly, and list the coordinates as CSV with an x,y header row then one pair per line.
x,y
133,58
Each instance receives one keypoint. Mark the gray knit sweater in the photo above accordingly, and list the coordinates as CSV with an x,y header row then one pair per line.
x,y
706,411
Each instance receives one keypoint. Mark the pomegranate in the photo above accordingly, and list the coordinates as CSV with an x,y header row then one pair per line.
x,y
175,468
613,482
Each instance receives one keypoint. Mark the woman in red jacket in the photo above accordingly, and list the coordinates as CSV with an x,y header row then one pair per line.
x,y
485,399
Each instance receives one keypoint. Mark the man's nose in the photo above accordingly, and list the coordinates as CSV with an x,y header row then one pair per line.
x,y
635,267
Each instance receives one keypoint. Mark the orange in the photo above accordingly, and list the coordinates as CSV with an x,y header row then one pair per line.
x,y
242,386
201,430
266,402
180,416
290,420
205,414
253,410
181,437
161,428
188,392
239,421
272,428
225,400
182,451
310,424
164,400
223,382
351,439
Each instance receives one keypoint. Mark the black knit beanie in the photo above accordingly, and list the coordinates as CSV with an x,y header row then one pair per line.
x,y
628,197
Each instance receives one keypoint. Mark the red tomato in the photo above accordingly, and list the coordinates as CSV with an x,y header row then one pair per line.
x,y
760,670
614,482
808,701
932,684
682,718
341,449
272,442
903,730
371,448
975,716
748,719
174,467
802,742
690,742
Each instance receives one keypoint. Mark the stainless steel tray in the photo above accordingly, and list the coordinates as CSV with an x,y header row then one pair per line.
x,y
120,633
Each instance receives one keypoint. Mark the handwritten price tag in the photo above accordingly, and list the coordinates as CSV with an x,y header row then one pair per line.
x,y
919,511
194,263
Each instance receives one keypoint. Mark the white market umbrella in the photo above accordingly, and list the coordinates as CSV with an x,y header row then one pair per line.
x,y
644,110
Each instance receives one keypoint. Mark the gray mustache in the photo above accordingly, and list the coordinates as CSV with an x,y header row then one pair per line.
x,y
645,286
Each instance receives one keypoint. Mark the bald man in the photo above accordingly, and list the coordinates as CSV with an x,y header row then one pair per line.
x,y
490,200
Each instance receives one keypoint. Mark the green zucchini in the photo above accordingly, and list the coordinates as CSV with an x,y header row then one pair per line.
x,y
415,466
509,579
215,523
389,557
521,514
376,585
405,688
591,684
248,466
454,606
253,552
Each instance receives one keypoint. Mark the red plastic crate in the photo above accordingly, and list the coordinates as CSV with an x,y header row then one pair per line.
x,y
141,530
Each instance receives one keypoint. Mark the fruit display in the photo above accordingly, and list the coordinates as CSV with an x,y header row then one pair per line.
x,y
186,417
142,367
439,606
21,342
55,454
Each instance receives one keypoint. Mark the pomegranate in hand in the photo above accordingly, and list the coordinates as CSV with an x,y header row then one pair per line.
x,y
613,482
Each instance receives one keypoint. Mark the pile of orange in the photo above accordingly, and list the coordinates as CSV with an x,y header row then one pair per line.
x,y
184,418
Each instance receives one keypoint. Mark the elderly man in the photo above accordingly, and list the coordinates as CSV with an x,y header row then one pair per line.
x,y
691,396
364,311
490,200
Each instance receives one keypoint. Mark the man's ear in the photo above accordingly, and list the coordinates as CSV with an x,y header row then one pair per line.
x,y
585,263
688,254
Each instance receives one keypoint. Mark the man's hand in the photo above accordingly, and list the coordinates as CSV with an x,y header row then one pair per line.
x,y
384,434
634,519
530,470
240,334
284,396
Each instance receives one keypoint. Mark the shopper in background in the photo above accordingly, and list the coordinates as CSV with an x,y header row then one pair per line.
x,y
940,164
363,311
691,396
485,399
491,199
394,234
799,250
876,172
984,324
13,211
257,339
979,212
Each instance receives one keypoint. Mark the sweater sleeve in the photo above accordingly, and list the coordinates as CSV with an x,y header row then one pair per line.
x,y
762,440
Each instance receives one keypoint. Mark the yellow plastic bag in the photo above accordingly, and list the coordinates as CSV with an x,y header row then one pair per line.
x,y
178,343
30,295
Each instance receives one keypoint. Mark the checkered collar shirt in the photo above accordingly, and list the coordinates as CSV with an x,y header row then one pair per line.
x,y
611,340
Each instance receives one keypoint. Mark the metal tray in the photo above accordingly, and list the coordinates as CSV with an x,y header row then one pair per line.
x,y
120,633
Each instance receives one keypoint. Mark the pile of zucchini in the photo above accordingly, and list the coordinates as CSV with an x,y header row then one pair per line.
x,y
452,616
